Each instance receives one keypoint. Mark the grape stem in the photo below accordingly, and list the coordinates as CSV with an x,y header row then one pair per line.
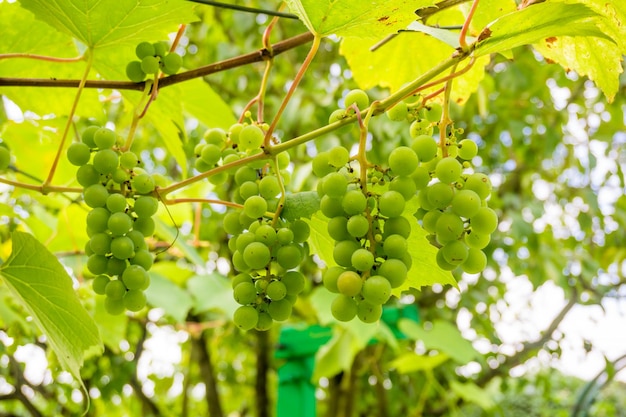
x,y
136,117
68,124
445,116
465,28
43,189
281,184
201,201
42,57
292,88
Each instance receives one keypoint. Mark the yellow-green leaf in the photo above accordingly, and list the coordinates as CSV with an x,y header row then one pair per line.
x,y
375,18
40,283
543,20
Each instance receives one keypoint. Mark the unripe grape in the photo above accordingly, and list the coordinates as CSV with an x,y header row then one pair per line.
x,y
480,184
276,290
342,253
397,226
362,260
421,177
115,266
398,112
354,202
105,161
255,207
442,263
265,321
357,225
289,256
246,317
115,289
114,306
395,271
134,277
466,203
97,264
122,247
337,228
142,258
284,236
455,252
440,195
78,154
251,137
95,195
144,49
449,227
100,243
280,310
134,300
395,246
321,165
403,160
369,313
143,184
146,206
476,240
87,175
171,63
134,72
129,160
404,185
338,156
330,278
448,170
391,204
467,149
116,203
294,282
269,186
343,308
256,255
335,184
104,138
150,65
245,293
301,230
358,97
484,221
215,136
160,48
99,284
425,147
376,289
331,206
119,223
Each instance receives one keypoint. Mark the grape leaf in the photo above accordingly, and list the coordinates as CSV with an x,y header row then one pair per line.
x,y
597,58
543,20
41,284
212,292
375,18
163,293
99,23
413,362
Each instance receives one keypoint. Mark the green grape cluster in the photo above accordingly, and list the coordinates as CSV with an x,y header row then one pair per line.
x,y
153,58
369,230
422,118
266,256
119,195
453,201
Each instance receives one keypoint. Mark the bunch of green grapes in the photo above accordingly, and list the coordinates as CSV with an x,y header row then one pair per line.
x,y
119,194
266,255
370,232
453,201
153,58
422,118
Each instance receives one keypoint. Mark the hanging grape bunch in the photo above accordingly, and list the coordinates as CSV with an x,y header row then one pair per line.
x,y
266,250
119,195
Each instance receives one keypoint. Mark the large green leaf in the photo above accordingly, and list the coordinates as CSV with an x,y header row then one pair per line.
x,y
99,23
170,297
544,20
41,284
442,336
599,59
356,17
212,292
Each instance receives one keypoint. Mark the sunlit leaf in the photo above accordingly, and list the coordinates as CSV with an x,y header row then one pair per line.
x,y
543,20
40,282
96,23
355,17
413,362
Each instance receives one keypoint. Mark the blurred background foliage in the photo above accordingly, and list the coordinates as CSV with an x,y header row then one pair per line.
x,y
552,145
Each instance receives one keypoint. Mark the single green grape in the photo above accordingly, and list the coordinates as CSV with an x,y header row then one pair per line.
x,y
122,247
399,112
354,202
256,255
376,289
455,252
425,147
160,48
144,49
100,243
466,203
395,271
99,284
115,266
335,184
421,177
143,258
134,72
330,278
301,230
150,65
116,203
248,189
97,219
357,225
211,154
146,206
448,170
119,223
404,185
255,207
343,308
104,138
172,63
265,234
245,293
97,264
78,154
246,317
338,156
391,204
134,300
269,186
342,253
440,195
294,282
480,184
403,160
251,137
145,225
114,306
358,97
321,164
337,228
476,261
87,175
245,174
484,221
289,256
134,277
215,136
349,283
143,184
395,246
280,310
105,161
239,278
129,160
476,240
331,206
95,195
87,136
449,227
362,260
137,237
115,289
369,313
276,290
467,149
